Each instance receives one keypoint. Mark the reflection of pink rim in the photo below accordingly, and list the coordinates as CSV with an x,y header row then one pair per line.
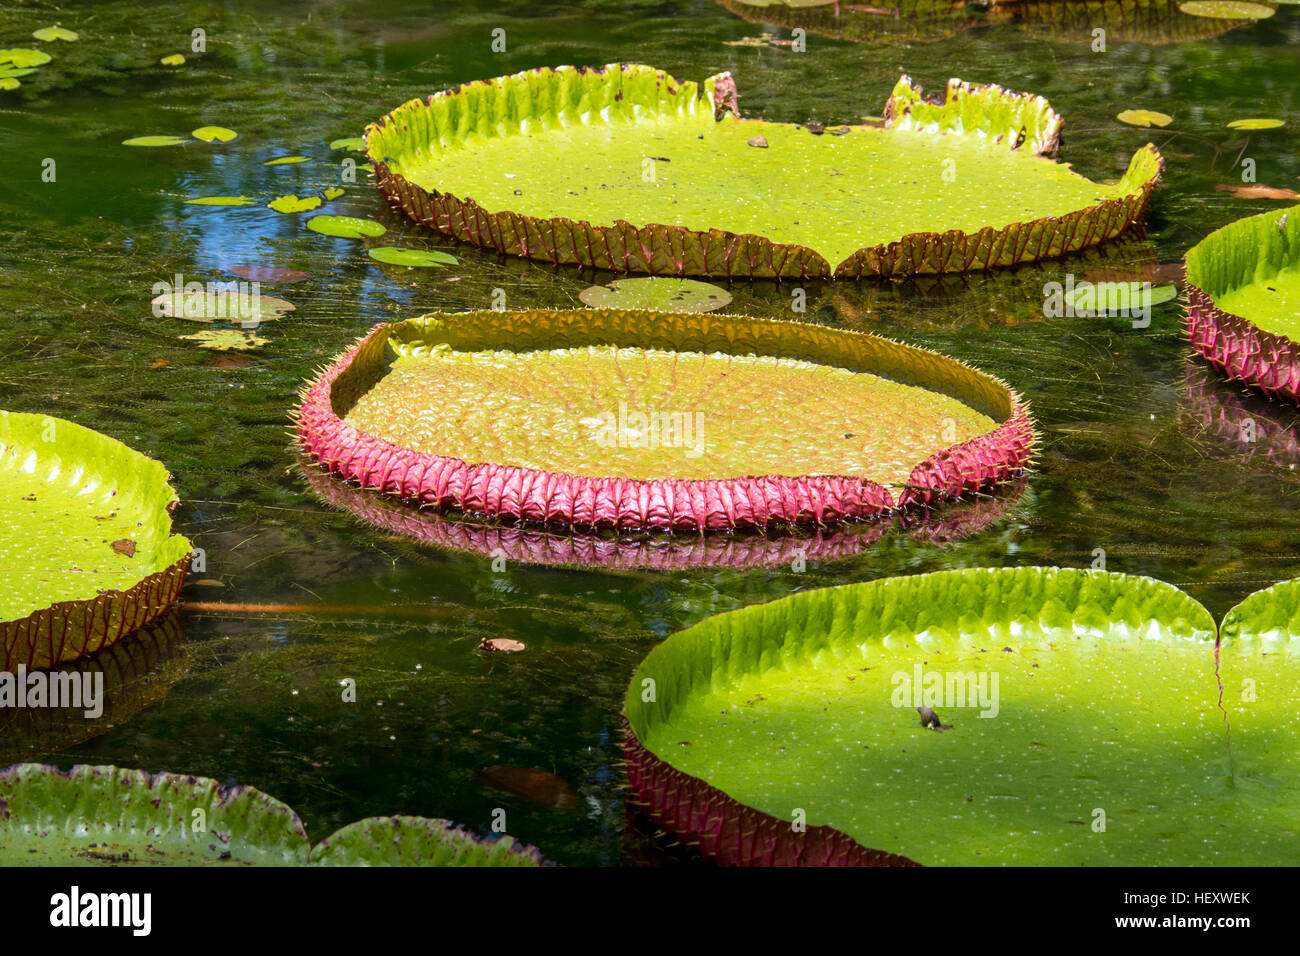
x,y
659,249
1242,350
504,491
72,629
729,832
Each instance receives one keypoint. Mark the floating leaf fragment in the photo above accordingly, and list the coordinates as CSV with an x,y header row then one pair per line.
x,y
174,60
221,201
415,258
286,160
288,204
156,141
345,227
352,142
214,134
1253,124
1145,118
48,34
1255,191
21,57
659,294
226,340
333,192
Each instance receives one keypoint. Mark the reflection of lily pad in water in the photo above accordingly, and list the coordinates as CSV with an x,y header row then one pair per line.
x,y
137,671
533,543
658,294
648,419
1029,738
975,188
1224,421
85,541
110,816
1244,301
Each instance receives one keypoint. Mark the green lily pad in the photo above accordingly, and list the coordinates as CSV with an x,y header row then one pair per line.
x,y
1120,298
351,143
157,141
288,204
1073,719
245,308
333,192
1144,118
345,227
22,58
214,134
48,34
1227,9
174,59
393,256
977,191
108,816
85,540
658,294
1244,301
9,71
227,340
1254,124
415,841
9,83
914,21
286,160
600,416
221,201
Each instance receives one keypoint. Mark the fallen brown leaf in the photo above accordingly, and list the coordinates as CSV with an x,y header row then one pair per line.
x,y
537,786
1257,192
500,644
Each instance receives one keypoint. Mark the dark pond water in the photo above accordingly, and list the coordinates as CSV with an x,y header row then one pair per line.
x,y
1140,452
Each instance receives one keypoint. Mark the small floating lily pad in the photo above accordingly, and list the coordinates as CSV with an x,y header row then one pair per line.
x,y
659,294
49,34
345,227
244,308
1244,301
635,419
1254,124
174,59
1144,118
67,495
290,204
979,190
221,201
393,256
214,134
9,83
286,160
1120,298
351,143
21,58
111,816
157,141
730,719
333,192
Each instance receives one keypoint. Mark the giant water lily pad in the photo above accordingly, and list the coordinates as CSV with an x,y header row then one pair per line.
x,y
85,541
92,816
1244,301
899,21
642,177
658,419
1153,22
1075,721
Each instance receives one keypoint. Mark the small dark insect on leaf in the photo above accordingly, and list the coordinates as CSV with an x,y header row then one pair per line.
x,y
124,546
661,159
759,141
930,719
815,127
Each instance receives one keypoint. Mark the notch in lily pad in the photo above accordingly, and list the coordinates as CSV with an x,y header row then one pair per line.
x,y
657,294
345,227
412,258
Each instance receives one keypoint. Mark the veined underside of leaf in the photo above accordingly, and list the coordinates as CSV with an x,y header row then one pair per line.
x,y
652,182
